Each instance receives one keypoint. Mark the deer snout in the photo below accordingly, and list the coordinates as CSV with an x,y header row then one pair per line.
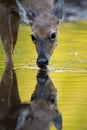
x,y
42,77
42,62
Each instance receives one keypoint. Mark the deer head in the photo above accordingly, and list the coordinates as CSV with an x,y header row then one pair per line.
x,y
44,30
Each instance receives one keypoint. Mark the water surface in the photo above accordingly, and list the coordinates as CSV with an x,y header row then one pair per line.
x,y
68,72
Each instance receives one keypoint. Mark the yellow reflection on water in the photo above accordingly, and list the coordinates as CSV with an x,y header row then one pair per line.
x,y
72,91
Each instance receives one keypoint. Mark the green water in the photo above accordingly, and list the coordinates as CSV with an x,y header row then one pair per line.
x,y
67,69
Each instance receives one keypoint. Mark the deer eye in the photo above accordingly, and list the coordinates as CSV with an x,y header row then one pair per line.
x,y
33,37
33,97
53,36
52,101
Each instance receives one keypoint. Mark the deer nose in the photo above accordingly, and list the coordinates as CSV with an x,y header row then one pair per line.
x,y
42,62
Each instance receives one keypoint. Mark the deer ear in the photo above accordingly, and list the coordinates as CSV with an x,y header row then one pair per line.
x,y
58,8
26,15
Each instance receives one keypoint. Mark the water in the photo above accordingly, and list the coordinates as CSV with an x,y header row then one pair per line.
x,y
67,72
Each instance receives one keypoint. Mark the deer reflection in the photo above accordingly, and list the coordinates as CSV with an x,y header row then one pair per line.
x,y
38,114
44,103
9,99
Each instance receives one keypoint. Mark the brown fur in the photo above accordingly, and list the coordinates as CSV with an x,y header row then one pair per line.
x,y
39,6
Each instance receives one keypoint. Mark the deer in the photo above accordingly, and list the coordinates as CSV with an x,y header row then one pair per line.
x,y
42,16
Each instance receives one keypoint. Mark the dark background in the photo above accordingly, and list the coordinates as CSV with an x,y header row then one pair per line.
x,y
75,10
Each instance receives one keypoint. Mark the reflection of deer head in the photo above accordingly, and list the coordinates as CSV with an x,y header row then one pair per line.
x,y
43,106
44,98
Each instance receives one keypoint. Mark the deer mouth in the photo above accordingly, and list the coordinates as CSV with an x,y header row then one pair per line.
x,y
42,63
